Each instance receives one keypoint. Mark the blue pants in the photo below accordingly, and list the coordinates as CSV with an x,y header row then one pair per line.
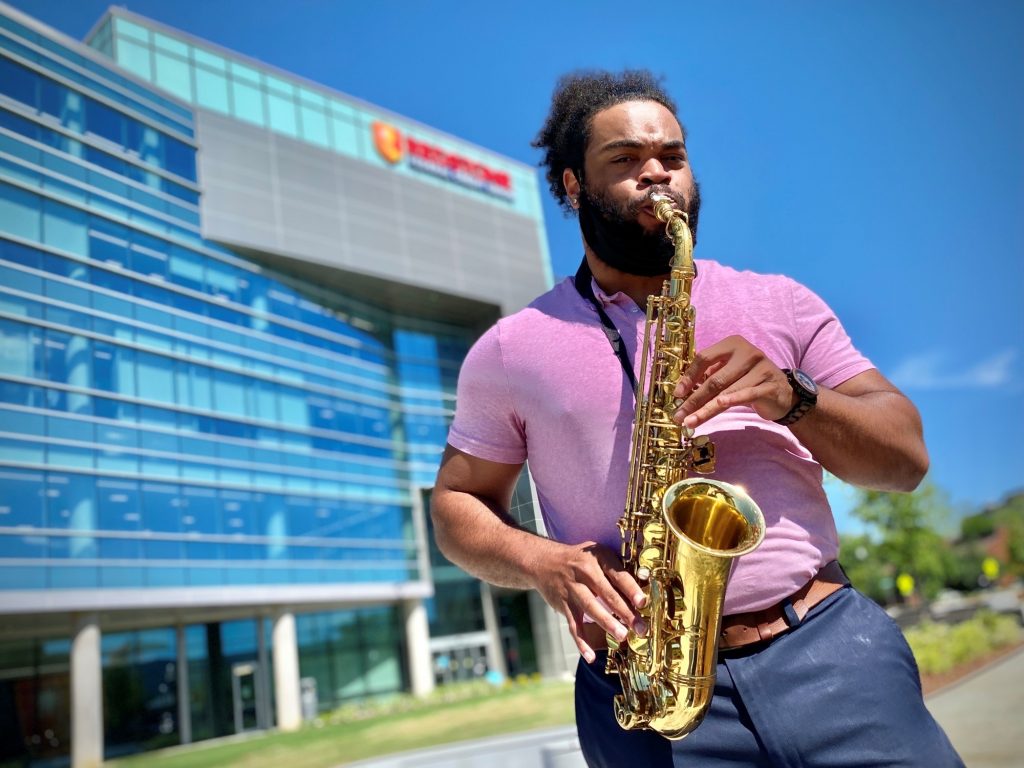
x,y
842,689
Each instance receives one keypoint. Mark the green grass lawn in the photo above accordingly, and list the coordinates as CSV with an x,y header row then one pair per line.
x,y
350,735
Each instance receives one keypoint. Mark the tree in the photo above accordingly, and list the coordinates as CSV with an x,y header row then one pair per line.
x,y
906,529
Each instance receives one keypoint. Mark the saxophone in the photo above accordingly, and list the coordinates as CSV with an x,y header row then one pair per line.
x,y
680,535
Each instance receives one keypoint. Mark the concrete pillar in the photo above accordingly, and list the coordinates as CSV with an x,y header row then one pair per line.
x,y
556,652
417,641
86,694
264,717
495,651
285,649
184,702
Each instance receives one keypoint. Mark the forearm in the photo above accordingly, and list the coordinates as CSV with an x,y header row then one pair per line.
x,y
483,539
873,439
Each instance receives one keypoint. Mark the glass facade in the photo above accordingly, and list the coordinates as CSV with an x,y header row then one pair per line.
x,y
179,419
173,415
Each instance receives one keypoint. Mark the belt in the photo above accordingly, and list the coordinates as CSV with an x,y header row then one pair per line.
x,y
742,629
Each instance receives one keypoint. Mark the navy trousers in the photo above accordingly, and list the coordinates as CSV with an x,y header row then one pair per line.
x,y
841,689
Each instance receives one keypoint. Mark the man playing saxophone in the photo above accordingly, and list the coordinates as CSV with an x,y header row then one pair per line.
x,y
809,673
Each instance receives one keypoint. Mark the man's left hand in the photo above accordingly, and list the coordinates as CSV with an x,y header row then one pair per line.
x,y
732,372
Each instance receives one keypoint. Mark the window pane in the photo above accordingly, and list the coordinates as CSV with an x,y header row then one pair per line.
x,y
211,90
314,126
344,135
71,504
229,393
65,228
180,158
248,102
282,114
20,213
156,377
104,121
210,60
125,27
21,353
172,73
18,82
170,44
134,58
22,500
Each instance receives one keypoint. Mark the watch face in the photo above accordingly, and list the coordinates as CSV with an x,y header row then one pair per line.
x,y
805,381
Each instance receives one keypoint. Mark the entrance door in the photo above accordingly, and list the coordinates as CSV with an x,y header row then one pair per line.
x,y
246,694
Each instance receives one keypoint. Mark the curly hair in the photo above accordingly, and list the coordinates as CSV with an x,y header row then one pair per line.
x,y
577,98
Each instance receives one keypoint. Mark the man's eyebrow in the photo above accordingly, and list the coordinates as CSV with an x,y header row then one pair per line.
x,y
634,144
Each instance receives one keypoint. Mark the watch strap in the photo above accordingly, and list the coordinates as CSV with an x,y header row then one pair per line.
x,y
805,401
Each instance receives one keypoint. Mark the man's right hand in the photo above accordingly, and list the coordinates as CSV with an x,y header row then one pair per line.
x,y
588,580
473,529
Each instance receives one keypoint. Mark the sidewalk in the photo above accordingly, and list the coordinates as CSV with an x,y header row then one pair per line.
x,y
983,716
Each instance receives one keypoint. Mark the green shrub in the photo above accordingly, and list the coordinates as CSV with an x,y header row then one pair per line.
x,y
939,647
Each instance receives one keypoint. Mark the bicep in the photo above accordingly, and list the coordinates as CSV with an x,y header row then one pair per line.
x,y
491,482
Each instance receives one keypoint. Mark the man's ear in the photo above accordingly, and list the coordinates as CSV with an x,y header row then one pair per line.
x,y
572,187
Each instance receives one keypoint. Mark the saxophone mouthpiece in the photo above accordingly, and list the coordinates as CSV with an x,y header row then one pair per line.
x,y
665,207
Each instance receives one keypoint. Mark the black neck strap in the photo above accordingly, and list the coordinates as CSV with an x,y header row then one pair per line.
x,y
586,290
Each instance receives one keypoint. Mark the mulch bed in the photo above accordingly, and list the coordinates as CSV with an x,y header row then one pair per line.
x,y
934,683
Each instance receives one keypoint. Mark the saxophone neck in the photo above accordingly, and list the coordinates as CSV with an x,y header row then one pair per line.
x,y
677,227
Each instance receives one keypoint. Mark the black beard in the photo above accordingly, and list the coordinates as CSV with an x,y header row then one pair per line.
x,y
620,241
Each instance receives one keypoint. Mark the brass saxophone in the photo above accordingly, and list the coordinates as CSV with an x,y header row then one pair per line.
x,y
679,535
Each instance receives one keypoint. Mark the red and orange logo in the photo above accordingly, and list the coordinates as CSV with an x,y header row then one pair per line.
x,y
388,141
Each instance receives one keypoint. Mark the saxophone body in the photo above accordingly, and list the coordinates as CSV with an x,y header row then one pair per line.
x,y
680,534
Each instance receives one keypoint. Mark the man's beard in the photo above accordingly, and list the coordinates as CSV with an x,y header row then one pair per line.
x,y
620,241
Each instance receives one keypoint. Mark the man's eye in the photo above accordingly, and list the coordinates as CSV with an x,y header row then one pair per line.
x,y
621,160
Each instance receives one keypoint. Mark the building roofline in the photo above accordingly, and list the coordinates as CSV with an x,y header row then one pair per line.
x,y
114,11
81,48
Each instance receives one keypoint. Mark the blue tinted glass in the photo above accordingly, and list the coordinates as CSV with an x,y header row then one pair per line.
x,y
18,124
119,510
71,504
18,82
230,393
22,499
155,376
113,282
65,227
163,507
20,212
23,350
105,121
180,158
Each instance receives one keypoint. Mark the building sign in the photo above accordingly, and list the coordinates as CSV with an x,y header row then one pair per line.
x,y
427,158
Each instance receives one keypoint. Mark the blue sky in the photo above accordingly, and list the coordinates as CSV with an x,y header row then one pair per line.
x,y
872,150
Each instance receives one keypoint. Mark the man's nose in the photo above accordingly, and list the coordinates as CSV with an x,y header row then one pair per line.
x,y
653,172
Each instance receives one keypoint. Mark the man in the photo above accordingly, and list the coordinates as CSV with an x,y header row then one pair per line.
x,y
810,672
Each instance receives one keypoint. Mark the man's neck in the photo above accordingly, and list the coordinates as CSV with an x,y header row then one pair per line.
x,y
613,281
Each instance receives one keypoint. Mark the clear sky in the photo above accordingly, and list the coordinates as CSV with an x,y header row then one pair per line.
x,y
873,150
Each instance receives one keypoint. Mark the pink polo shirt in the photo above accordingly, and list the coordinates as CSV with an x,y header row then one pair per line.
x,y
543,385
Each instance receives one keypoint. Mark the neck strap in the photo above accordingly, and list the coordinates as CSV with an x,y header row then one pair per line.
x,y
586,290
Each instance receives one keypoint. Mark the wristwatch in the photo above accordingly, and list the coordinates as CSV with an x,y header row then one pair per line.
x,y
806,392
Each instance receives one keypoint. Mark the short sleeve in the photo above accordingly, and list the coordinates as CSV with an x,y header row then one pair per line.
x,y
827,353
486,425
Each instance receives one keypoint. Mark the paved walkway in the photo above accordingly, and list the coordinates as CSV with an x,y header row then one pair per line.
x,y
984,714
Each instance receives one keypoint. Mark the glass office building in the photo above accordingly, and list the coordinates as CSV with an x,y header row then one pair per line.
x,y
233,306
